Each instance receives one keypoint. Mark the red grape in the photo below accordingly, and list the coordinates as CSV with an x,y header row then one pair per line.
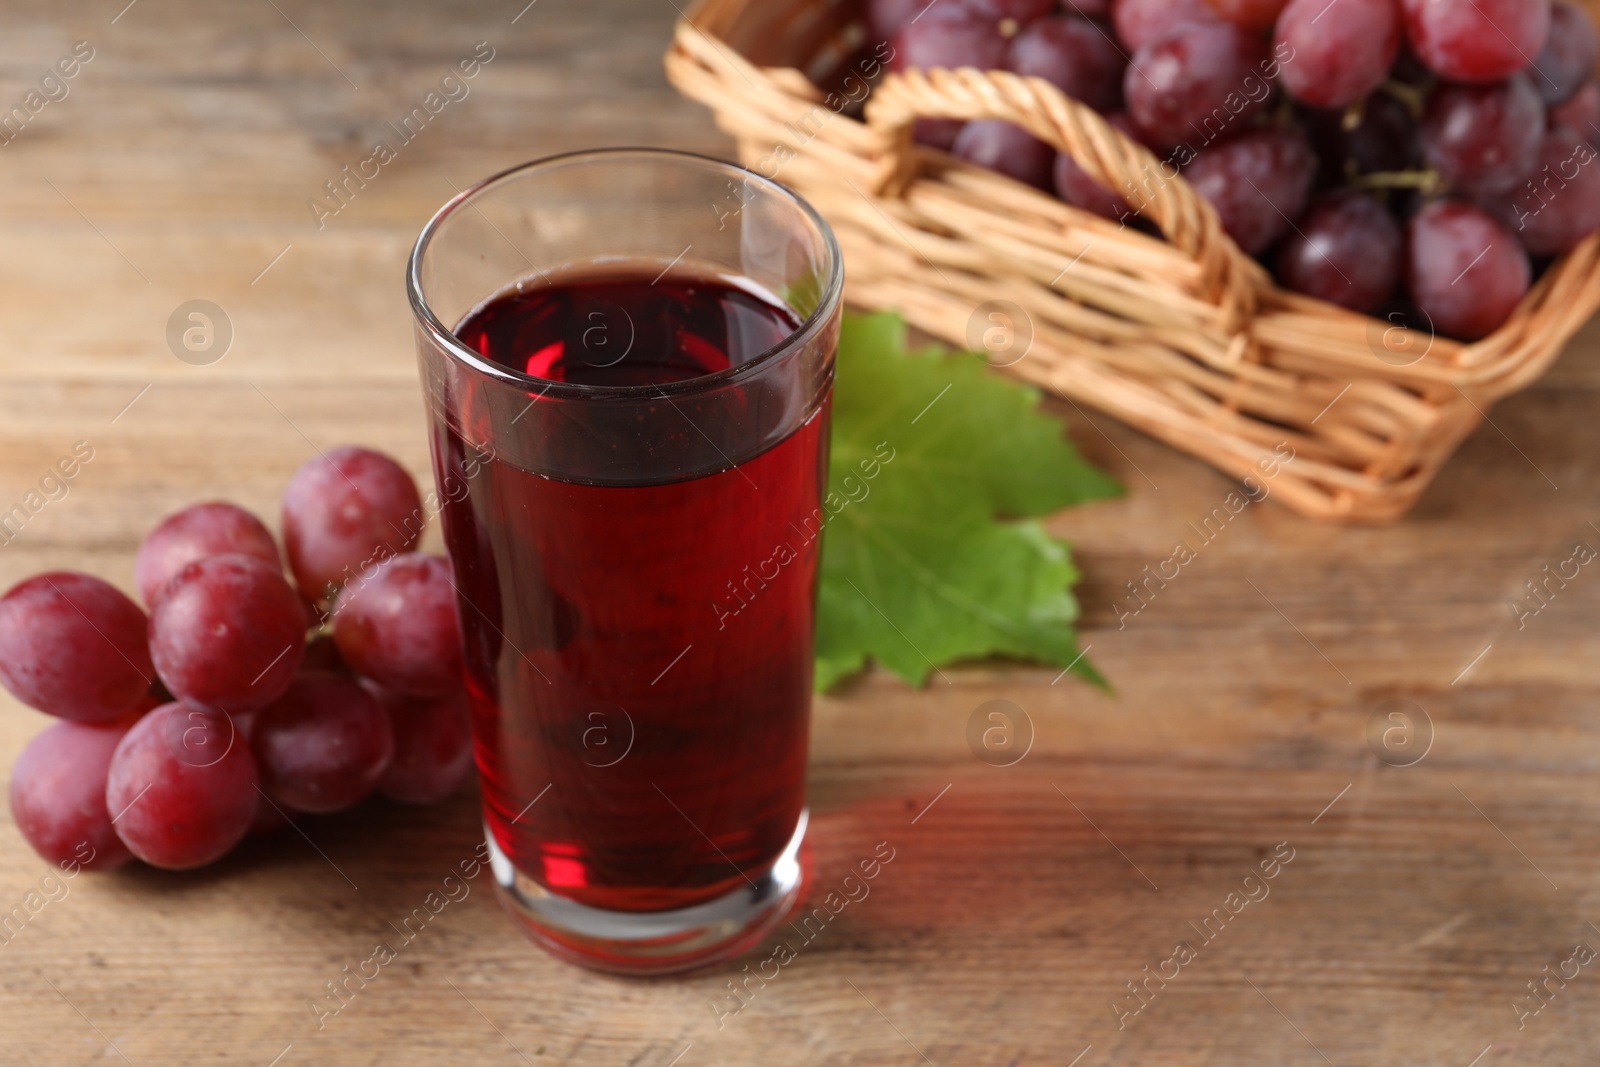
x,y
214,529
1476,40
1009,149
1580,114
1340,58
1073,54
269,817
937,133
1383,139
244,721
1138,22
58,794
228,633
432,746
1258,182
73,646
1196,82
1346,251
948,36
1020,11
1484,138
1464,269
1074,185
1099,10
345,510
323,745
181,787
1560,205
1567,60
887,17
1249,14
397,625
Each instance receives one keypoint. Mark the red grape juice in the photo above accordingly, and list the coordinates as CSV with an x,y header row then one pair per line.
x,y
643,650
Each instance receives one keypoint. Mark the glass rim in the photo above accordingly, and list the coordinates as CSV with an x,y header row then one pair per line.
x,y
445,338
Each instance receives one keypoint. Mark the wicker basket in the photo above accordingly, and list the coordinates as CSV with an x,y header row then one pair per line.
x,y
1186,338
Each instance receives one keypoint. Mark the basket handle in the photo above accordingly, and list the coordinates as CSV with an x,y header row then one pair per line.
x,y
1151,186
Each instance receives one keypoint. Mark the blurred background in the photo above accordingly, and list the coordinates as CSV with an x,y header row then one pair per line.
x,y
187,153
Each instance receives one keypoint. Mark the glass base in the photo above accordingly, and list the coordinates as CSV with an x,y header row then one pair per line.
x,y
656,942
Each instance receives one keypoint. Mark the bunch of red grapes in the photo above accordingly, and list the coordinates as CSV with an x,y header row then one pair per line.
x,y
240,701
1430,153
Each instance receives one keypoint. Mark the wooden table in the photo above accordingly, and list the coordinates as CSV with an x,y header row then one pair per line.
x,y
1418,904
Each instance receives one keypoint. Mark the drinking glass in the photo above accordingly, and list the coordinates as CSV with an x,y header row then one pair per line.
x,y
635,563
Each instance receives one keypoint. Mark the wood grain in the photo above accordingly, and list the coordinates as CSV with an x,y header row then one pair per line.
x,y
1419,901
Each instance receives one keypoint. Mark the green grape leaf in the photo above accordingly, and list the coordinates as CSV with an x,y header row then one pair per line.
x,y
936,463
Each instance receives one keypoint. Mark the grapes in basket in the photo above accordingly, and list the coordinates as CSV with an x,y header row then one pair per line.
x,y
238,697
1426,156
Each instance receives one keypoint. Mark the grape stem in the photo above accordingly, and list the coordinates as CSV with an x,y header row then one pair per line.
x,y
1285,114
1353,115
1413,97
1429,182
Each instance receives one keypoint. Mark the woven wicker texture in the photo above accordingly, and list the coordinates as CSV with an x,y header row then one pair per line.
x,y
1186,338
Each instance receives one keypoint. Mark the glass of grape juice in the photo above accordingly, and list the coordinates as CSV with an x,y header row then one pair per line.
x,y
628,361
